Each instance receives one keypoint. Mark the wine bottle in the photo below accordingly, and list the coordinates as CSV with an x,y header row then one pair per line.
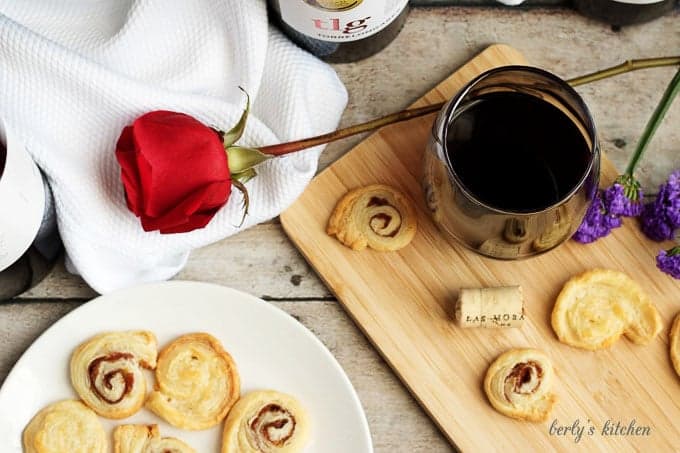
x,y
29,240
340,31
624,12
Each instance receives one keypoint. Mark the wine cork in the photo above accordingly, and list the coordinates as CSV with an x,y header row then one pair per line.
x,y
490,307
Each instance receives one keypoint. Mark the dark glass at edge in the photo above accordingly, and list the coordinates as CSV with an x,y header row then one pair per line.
x,y
617,14
34,265
334,52
30,269
3,156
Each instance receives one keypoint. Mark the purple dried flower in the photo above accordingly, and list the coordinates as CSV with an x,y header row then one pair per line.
x,y
669,261
624,197
597,223
661,218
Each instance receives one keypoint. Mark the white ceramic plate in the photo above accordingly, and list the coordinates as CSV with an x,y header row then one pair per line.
x,y
270,348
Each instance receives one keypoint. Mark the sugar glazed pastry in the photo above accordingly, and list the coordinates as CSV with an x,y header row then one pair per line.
x,y
107,371
377,216
266,421
67,426
518,385
146,439
196,382
595,308
674,344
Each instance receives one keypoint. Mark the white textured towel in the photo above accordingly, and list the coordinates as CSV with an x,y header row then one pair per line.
x,y
73,73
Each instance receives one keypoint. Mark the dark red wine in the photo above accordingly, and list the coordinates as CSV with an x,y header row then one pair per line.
x,y
515,152
624,12
340,31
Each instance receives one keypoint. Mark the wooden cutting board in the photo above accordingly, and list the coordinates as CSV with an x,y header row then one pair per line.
x,y
403,303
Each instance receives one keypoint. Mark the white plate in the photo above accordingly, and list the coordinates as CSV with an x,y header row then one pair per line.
x,y
270,348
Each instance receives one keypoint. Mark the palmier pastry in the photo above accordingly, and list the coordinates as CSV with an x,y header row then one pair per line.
x,y
595,308
266,421
675,344
65,427
146,439
376,216
196,382
518,385
106,371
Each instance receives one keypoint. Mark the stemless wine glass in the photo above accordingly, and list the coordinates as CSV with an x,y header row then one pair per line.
x,y
513,231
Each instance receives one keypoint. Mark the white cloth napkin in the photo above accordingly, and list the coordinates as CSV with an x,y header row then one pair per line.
x,y
73,73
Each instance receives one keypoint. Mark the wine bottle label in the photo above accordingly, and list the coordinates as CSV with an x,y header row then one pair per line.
x,y
22,201
340,20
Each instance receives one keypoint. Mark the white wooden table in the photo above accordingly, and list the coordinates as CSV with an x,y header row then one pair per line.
x,y
433,43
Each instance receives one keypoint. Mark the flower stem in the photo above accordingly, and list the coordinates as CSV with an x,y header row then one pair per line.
x,y
404,115
666,100
626,66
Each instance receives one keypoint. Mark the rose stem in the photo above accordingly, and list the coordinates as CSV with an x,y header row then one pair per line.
x,y
404,115
671,92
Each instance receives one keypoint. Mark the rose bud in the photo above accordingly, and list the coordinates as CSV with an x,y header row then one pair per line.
x,y
176,170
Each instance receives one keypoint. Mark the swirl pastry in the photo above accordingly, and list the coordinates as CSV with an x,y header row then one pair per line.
x,y
518,385
595,308
65,427
196,382
106,371
265,421
675,344
146,439
376,216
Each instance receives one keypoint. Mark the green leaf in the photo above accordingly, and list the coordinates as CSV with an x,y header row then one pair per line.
x,y
666,100
231,136
631,186
241,158
244,176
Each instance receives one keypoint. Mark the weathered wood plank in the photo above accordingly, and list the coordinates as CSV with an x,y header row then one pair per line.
x,y
397,423
487,3
260,261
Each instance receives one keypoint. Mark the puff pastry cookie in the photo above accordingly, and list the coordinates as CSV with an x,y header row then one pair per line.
x,y
196,382
106,371
266,421
518,385
595,308
146,439
674,344
65,427
376,216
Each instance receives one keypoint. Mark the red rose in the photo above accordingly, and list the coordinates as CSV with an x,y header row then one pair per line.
x,y
175,171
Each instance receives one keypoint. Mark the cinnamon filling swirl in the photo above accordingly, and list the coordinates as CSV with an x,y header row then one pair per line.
x,y
273,424
109,378
524,378
381,222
